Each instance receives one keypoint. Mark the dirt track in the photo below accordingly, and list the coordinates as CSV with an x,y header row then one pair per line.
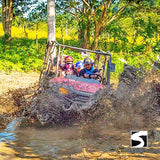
x,y
16,80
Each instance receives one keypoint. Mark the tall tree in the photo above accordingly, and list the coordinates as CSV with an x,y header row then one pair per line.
x,y
19,7
81,13
7,17
103,13
145,23
37,15
94,15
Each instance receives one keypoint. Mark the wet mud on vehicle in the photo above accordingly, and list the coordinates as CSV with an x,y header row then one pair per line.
x,y
76,93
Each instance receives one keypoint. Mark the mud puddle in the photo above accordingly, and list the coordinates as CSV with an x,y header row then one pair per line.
x,y
73,142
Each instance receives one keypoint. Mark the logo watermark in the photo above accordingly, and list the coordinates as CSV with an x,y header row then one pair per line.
x,y
139,139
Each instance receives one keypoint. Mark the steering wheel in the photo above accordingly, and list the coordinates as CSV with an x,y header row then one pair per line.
x,y
99,77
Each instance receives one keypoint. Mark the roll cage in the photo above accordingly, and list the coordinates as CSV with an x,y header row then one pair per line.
x,y
54,50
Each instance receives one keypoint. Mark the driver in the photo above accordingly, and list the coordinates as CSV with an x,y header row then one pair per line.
x,y
88,70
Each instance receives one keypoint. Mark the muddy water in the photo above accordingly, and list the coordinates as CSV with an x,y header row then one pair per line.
x,y
47,143
75,142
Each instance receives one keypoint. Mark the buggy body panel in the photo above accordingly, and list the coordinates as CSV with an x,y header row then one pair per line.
x,y
78,85
77,95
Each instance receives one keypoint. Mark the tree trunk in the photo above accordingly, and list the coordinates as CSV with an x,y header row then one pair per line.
x,y
84,34
37,36
51,20
86,40
66,29
87,36
7,17
62,35
81,34
25,32
98,29
51,31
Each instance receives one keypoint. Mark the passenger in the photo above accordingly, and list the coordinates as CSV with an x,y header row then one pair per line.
x,y
88,70
79,66
68,67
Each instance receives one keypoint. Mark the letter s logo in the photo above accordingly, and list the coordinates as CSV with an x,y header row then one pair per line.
x,y
139,139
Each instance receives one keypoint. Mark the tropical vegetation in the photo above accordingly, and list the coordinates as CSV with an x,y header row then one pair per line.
x,y
132,36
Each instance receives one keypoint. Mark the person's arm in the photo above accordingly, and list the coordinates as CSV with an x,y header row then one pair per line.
x,y
62,71
75,71
81,74
62,67
86,75
96,71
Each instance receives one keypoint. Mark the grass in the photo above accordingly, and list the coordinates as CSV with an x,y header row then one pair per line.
x,y
22,54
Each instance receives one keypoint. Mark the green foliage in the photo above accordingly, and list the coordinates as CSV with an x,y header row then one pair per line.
x,y
39,13
22,55
22,6
134,35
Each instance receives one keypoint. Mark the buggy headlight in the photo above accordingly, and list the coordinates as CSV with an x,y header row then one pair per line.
x,y
63,90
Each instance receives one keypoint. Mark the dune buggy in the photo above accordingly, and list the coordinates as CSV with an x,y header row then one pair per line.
x,y
76,93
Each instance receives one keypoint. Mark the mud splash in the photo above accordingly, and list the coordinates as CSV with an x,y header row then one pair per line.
x,y
133,104
103,132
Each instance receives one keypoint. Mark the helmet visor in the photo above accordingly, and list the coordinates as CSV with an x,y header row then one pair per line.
x,y
69,62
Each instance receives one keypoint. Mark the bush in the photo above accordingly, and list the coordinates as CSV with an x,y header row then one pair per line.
x,y
22,55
